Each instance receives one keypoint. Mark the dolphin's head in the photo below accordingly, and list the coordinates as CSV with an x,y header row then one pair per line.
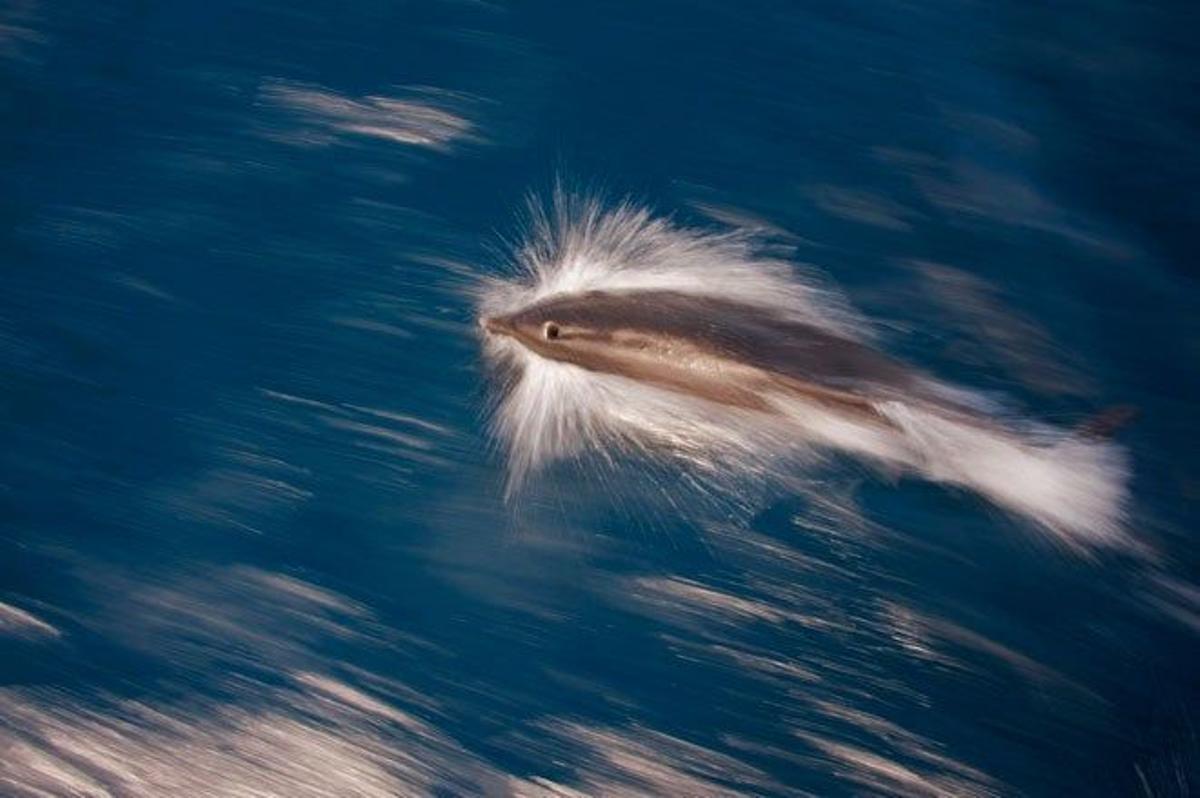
x,y
573,329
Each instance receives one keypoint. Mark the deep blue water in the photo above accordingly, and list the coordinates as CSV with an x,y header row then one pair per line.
x,y
252,533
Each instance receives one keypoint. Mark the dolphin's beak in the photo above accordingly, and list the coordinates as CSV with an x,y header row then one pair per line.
x,y
496,325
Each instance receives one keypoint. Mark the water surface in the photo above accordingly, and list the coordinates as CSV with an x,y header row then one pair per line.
x,y
252,532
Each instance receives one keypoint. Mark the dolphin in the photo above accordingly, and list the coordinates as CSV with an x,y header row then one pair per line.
x,y
719,350
760,359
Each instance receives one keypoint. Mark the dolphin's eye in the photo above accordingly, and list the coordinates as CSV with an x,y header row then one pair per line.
x,y
551,331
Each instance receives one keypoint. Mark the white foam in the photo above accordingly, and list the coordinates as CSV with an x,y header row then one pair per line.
x,y
577,244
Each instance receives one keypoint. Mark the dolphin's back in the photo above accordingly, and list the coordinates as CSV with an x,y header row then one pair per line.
x,y
795,352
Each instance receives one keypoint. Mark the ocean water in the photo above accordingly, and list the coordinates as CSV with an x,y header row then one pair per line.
x,y
254,532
